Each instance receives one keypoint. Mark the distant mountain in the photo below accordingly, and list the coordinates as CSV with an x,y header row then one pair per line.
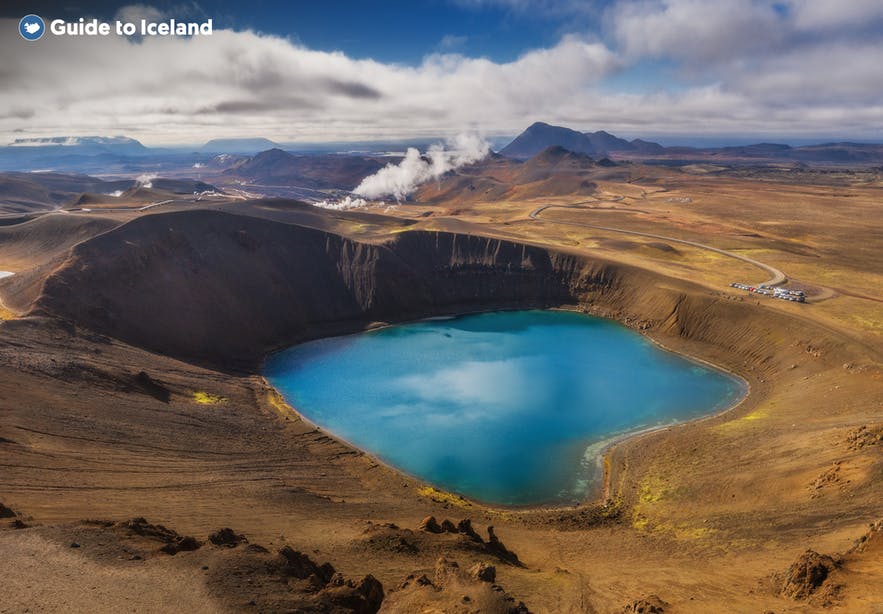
x,y
238,146
843,153
275,167
29,192
605,142
762,150
558,157
540,135
646,147
82,145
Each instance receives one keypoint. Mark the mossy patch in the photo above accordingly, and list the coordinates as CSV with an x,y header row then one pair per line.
x,y
651,490
206,398
275,400
759,414
441,496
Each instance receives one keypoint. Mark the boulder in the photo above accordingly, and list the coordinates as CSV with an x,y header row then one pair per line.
x,y
483,572
301,566
465,527
227,537
430,524
807,574
651,604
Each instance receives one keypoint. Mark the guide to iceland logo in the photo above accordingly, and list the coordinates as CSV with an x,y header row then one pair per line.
x,y
31,27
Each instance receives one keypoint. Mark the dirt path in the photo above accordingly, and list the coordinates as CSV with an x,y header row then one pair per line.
x,y
777,276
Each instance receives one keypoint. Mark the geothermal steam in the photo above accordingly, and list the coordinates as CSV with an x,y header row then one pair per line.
x,y
145,180
400,180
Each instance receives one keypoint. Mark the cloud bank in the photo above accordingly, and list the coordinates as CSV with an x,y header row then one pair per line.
x,y
787,68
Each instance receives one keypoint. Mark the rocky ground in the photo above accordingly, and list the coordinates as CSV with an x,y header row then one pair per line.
x,y
250,508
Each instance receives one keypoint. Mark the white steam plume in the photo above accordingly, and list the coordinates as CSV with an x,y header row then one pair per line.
x,y
145,180
399,180
342,205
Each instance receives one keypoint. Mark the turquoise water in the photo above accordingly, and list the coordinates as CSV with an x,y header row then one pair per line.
x,y
507,408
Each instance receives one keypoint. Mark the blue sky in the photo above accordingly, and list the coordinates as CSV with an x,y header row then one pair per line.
x,y
675,70
401,31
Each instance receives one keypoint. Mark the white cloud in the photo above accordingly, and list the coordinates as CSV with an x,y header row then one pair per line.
x,y
134,13
830,14
243,83
694,30
737,66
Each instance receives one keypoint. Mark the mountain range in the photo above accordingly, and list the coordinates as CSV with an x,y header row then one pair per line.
x,y
260,160
239,146
539,136
277,167
86,145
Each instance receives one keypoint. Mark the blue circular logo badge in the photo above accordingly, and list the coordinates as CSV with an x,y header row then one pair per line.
x,y
31,27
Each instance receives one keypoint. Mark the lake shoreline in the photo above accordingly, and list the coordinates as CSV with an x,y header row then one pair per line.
x,y
598,486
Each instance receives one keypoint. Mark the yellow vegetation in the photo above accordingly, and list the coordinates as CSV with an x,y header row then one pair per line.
x,y
278,403
441,496
205,398
651,490
761,413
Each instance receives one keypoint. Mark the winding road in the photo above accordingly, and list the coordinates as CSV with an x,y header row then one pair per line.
x,y
778,277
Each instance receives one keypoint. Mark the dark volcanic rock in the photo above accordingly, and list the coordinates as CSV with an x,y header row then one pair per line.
x,y
140,526
289,581
172,542
184,543
430,524
872,540
227,537
465,527
454,589
495,546
483,572
651,604
364,597
148,385
808,575
299,565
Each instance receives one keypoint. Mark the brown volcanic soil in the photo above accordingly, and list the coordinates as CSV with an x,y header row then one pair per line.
x,y
102,416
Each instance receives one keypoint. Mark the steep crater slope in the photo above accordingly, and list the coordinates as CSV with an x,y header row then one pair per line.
x,y
227,289
211,286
